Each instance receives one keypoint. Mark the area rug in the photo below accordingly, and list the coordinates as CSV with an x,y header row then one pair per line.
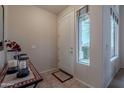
x,y
62,76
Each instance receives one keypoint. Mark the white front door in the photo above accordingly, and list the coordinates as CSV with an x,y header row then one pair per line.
x,y
66,42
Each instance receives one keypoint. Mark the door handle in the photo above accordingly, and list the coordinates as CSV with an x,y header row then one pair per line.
x,y
71,50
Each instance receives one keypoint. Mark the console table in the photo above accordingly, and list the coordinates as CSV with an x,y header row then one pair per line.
x,y
11,81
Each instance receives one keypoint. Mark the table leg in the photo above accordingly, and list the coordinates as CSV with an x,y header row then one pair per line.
x,y
35,85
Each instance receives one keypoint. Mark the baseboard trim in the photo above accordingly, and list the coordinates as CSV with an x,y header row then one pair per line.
x,y
109,82
111,79
45,71
90,86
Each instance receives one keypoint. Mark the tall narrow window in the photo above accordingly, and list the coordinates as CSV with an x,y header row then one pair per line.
x,y
83,35
114,34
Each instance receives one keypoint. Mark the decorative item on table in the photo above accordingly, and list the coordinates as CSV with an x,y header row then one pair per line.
x,y
13,50
12,45
12,62
23,70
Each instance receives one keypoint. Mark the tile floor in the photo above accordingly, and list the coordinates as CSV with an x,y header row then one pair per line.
x,y
51,82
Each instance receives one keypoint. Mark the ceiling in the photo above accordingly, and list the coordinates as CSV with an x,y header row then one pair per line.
x,y
53,8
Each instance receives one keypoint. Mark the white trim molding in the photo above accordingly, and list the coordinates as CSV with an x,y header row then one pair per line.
x,y
88,85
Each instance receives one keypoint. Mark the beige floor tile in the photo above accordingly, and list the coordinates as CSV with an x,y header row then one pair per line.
x,y
44,84
57,85
54,81
51,82
77,84
69,82
50,77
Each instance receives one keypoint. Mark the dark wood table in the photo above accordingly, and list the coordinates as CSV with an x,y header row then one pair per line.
x,y
11,81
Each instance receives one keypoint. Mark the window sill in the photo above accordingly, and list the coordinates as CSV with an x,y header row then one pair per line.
x,y
114,58
84,63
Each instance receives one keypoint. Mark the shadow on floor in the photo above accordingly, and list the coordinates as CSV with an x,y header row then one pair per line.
x,y
118,81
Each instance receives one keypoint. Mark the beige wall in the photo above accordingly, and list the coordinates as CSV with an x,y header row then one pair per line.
x,y
35,30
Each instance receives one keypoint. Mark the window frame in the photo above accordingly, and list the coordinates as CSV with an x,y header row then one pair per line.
x,y
114,16
78,25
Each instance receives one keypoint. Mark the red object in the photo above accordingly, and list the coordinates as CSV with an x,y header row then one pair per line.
x,y
13,45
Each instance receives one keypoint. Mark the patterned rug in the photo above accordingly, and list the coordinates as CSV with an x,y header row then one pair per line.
x,y
62,76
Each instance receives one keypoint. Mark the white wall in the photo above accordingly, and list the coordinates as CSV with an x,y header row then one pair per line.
x,y
91,74
110,67
122,36
35,30
66,42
